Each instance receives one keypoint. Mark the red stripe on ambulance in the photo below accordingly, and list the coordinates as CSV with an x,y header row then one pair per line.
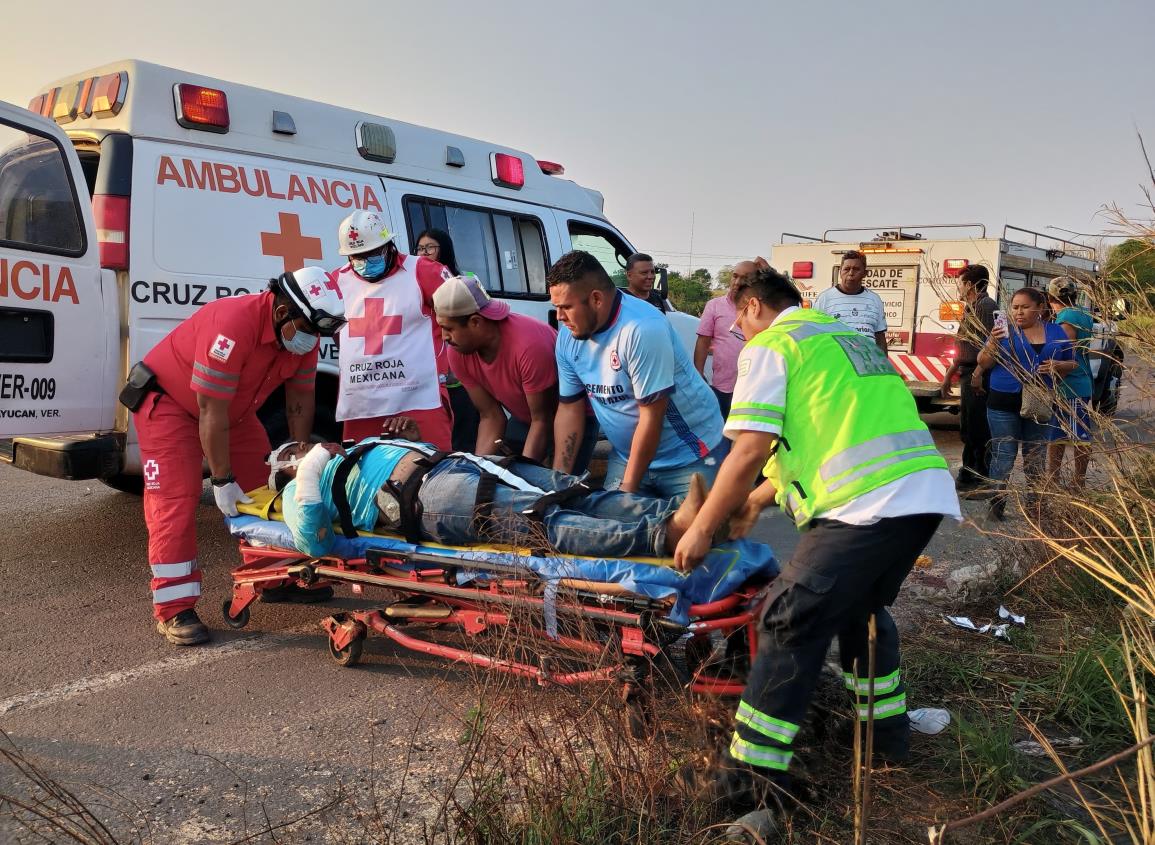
x,y
923,368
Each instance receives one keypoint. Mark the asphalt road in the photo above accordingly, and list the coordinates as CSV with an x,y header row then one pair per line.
x,y
201,744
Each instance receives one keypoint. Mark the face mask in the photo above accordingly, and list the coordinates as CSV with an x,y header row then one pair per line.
x,y
301,343
369,269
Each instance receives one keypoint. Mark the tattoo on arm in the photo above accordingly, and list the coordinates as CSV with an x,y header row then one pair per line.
x,y
569,451
294,409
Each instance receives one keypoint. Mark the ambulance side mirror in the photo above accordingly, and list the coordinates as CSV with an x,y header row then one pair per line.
x,y
662,283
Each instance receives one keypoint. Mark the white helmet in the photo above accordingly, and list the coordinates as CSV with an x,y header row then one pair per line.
x,y
362,231
316,296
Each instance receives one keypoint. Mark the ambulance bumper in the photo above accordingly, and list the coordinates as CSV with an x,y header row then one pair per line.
x,y
74,457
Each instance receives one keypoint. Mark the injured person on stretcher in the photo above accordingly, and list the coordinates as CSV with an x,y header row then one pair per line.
x,y
395,483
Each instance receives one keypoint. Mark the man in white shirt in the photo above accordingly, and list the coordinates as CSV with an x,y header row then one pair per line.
x,y
857,306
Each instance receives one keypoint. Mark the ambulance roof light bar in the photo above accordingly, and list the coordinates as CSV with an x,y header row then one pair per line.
x,y
108,93
980,229
201,108
952,267
507,170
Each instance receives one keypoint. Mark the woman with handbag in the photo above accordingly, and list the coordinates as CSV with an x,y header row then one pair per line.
x,y
1027,358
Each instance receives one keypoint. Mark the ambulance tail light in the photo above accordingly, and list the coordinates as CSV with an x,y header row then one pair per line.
x,y
111,213
802,270
506,170
551,168
201,108
952,268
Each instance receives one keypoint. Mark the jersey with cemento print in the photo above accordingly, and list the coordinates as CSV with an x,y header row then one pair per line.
x,y
388,361
636,359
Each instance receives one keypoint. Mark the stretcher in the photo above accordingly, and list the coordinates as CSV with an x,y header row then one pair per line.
x,y
595,619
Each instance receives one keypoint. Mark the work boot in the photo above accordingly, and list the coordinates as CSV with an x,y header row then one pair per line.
x,y
185,628
295,594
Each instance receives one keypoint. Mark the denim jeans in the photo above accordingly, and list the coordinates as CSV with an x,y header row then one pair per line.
x,y
668,483
599,524
1008,430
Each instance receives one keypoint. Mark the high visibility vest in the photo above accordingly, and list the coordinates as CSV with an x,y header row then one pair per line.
x,y
850,424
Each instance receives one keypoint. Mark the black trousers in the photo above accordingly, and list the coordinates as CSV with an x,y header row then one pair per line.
x,y
974,431
839,575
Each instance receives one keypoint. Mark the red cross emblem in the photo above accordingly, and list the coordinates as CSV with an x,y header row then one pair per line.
x,y
374,326
332,285
289,244
223,344
315,291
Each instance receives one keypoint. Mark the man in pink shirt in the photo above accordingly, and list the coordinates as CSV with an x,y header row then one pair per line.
x,y
506,363
715,338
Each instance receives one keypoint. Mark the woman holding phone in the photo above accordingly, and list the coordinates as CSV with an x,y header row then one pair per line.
x,y
1026,358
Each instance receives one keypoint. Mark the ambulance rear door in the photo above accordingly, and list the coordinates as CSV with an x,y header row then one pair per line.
x,y
56,346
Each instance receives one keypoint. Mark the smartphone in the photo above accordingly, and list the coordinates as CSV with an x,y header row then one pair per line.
x,y
1000,320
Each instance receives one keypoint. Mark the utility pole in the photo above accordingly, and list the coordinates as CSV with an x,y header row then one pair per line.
x,y
690,266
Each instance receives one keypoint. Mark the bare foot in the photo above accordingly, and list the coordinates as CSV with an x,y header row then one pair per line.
x,y
683,517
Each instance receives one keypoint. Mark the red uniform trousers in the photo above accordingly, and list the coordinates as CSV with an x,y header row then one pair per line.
x,y
435,425
171,455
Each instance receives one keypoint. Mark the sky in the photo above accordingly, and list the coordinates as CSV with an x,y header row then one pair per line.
x,y
713,126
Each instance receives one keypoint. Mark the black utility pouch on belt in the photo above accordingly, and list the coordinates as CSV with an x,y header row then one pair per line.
x,y
141,382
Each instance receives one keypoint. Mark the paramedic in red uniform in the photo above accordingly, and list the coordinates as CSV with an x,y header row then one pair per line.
x,y
212,373
392,358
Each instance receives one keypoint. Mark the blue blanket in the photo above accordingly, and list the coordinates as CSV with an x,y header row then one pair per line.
x,y
724,570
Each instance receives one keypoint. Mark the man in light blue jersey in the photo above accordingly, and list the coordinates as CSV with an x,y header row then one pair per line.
x,y
658,413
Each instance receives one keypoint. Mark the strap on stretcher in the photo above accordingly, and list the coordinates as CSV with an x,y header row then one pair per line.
x,y
491,473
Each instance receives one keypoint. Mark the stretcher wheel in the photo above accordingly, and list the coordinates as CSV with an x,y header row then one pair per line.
x,y
238,621
350,655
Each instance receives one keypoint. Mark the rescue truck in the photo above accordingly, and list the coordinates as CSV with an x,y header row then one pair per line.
x,y
914,269
131,194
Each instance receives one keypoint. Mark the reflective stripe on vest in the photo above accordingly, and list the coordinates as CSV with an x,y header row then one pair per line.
x,y
865,458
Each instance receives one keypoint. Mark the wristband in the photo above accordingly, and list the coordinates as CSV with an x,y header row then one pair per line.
x,y
223,480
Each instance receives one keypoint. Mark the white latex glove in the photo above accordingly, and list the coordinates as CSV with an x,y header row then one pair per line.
x,y
228,497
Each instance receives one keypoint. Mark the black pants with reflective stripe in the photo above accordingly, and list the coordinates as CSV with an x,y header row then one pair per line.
x,y
838,576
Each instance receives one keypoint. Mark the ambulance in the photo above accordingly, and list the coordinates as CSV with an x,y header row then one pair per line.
x,y
132,194
914,269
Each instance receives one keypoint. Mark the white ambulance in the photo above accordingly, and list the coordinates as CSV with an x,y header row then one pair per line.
x,y
201,189
914,269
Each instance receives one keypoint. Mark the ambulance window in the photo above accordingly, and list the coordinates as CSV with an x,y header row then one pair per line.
x,y
610,252
38,205
505,251
1009,282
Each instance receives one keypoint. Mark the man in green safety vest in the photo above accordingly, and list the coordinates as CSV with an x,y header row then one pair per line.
x,y
818,407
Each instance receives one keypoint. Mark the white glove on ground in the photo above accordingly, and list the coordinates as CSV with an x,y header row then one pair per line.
x,y
228,496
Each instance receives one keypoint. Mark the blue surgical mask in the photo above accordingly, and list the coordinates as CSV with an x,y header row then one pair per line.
x,y
370,269
301,343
